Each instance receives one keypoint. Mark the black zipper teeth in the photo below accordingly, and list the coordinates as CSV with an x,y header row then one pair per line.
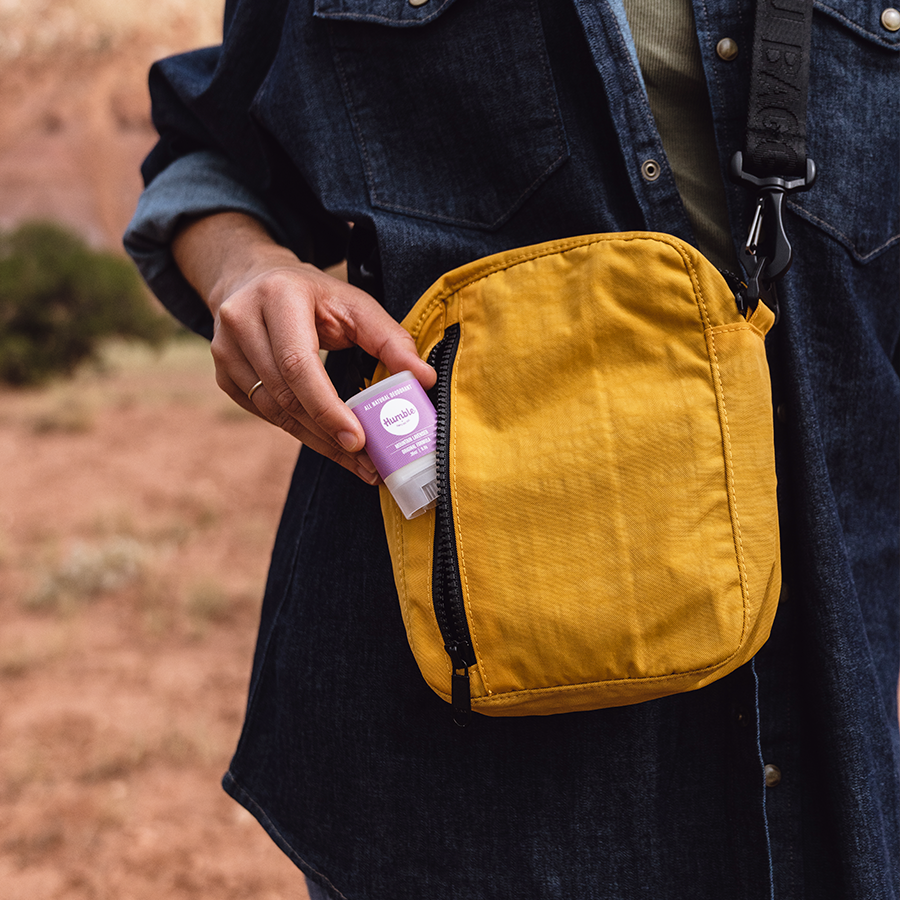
x,y
447,596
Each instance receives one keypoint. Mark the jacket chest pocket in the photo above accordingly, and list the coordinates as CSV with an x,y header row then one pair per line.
x,y
855,144
452,104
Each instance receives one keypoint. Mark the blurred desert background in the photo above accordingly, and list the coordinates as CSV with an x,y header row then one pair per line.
x,y
137,512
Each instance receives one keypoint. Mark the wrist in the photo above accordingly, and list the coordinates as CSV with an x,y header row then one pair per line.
x,y
217,253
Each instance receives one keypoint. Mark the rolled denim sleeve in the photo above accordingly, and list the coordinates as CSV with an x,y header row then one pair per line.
x,y
199,184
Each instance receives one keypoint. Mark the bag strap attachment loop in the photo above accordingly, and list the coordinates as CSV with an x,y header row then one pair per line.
x,y
767,254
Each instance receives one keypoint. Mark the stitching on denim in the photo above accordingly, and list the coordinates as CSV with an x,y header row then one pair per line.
x,y
270,826
472,223
715,69
351,109
855,26
386,20
636,87
551,99
830,229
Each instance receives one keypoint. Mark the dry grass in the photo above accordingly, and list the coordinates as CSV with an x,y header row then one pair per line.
x,y
88,571
69,418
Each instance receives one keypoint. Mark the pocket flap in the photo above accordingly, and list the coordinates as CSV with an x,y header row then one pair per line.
x,y
395,13
863,17
854,144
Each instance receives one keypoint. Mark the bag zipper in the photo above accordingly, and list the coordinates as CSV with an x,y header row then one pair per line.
x,y
446,586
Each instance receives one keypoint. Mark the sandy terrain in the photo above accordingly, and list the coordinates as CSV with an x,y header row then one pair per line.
x,y
137,511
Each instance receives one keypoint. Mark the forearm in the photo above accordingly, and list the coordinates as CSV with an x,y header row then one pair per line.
x,y
215,253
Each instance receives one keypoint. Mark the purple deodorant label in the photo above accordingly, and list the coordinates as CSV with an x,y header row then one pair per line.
x,y
399,421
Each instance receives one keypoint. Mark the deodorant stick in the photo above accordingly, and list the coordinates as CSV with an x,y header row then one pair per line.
x,y
399,421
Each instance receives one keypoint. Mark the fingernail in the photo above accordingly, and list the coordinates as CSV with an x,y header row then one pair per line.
x,y
366,463
366,475
348,440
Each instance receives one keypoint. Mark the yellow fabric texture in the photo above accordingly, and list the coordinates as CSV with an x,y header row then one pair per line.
x,y
612,476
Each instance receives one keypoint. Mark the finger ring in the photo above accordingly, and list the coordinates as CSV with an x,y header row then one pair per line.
x,y
254,388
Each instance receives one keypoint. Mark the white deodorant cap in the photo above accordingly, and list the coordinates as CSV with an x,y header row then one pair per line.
x,y
414,487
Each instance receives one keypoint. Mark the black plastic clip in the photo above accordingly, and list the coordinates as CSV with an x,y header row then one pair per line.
x,y
766,254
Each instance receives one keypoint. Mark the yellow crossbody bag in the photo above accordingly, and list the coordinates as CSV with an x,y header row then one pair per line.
x,y
606,529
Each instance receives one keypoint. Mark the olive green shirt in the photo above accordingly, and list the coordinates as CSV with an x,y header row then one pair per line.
x,y
669,56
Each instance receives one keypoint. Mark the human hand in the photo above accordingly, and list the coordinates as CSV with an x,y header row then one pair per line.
x,y
272,314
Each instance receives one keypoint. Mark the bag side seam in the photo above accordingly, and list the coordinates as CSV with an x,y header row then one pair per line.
x,y
695,283
732,493
716,373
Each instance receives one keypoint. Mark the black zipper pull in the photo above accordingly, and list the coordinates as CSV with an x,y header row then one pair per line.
x,y
461,699
461,657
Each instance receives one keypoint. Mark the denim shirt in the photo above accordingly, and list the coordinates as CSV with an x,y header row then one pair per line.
x,y
451,130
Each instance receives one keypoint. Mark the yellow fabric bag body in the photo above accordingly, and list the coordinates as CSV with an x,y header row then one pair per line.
x,y
607,530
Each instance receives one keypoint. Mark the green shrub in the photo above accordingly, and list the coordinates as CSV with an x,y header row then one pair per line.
x,y
59,300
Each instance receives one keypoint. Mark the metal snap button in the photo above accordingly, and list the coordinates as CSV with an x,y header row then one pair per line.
x,y
727,49
773,776
417,2
890,18
651,170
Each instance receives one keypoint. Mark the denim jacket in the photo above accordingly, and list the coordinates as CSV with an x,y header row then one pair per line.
x,y
450,130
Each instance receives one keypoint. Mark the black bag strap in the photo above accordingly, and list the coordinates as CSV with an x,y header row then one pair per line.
x,y
775,142
773,162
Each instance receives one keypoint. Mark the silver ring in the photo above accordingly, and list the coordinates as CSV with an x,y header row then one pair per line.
x,y
254,388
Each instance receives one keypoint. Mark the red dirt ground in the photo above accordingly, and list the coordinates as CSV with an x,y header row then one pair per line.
x,y
137,512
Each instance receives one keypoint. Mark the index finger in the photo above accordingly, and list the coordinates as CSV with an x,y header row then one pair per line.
x,y
295,347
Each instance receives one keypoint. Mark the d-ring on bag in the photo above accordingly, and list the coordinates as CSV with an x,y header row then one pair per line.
x,y
606,529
